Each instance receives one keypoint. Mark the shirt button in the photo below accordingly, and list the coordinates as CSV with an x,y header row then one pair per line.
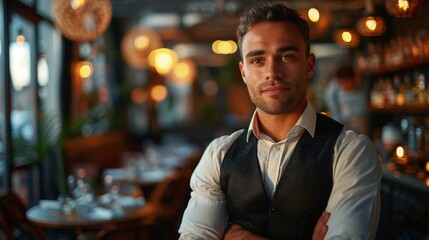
x,y
277,149
274,210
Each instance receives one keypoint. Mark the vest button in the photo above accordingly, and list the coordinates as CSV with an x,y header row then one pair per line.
x,y
274,211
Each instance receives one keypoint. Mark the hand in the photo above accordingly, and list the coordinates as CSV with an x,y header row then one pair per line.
x,y
236,232
321,227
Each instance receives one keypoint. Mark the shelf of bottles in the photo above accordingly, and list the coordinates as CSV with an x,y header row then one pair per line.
x,y
401,52
399,73
398,96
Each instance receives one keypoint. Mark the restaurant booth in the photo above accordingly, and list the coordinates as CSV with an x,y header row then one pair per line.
x,y
99,136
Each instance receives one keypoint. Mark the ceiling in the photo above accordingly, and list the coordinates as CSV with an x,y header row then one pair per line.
x,y
199,22
207,20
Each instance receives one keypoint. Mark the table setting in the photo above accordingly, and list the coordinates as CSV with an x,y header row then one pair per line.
x,y
84,209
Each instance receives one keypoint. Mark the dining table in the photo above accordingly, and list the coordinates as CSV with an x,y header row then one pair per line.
x,y
51,214
150,168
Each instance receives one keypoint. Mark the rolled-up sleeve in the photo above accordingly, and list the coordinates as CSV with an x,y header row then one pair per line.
x,y
354,203
205,216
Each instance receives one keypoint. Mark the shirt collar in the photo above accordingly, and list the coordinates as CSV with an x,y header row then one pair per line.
x,y
307,121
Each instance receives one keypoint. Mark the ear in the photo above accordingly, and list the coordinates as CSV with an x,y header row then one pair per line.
x,y
242,72
311,62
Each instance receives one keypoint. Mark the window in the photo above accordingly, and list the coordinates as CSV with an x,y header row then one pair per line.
x,y
31,83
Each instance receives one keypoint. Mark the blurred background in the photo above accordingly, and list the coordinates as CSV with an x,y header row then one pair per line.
x,y
85,81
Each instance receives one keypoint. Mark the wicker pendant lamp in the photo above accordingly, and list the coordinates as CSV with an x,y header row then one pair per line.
x,y
403,8
81,20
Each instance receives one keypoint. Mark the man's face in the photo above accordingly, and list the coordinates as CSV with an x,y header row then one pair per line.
x,y
275,66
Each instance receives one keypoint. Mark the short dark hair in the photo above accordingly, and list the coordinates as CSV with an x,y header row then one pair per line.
x,y
271,12
345,72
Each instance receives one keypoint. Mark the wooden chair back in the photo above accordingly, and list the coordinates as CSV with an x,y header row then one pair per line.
x,y
14,222
170,198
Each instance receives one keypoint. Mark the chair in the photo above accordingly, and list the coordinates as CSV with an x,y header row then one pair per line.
x,y
170,198
14,222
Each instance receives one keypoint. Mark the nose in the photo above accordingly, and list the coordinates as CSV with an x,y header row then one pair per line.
x,y
273,69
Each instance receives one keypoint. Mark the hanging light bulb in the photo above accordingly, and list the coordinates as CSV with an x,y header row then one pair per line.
x,y
319,19
76,4
371,25
313,14
163,60
403,8
19,62
183,73
346,37
137,44
158,92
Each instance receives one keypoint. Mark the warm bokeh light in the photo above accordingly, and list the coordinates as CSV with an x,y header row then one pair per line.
x,y
427,166
224,47
85,69
141,42
184,73
403,8
370,23
400,152
371,26
139,95
76,4
403,4
158,92
163,60
181,69
313,14
137,44
346,36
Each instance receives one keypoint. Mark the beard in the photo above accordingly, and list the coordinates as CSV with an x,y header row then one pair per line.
x,y
277,104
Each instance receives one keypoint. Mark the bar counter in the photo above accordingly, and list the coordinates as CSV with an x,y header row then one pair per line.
x,y
405,203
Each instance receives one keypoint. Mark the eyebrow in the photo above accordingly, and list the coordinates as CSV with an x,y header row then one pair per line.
x,y
279,50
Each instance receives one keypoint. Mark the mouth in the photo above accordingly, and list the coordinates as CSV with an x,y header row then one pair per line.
x,y
273,90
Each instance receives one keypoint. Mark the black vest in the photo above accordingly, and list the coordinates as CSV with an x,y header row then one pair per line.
x,y
301,194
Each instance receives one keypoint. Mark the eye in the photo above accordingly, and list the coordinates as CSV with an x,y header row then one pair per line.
x,y
256,61
288,57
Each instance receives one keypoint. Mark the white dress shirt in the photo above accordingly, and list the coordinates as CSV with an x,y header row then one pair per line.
x,y
354,202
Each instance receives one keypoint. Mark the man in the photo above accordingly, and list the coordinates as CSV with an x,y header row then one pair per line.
x,y
345,98
276,179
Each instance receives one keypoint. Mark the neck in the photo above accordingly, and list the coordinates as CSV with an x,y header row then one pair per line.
x,y
278,126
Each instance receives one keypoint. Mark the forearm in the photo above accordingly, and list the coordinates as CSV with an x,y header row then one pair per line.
x,y
354,203
236,232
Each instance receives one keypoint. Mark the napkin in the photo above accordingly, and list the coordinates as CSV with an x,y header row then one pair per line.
x,y
99,213
124,201
129,201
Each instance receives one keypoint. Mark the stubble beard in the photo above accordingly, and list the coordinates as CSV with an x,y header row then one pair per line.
x,y
283,104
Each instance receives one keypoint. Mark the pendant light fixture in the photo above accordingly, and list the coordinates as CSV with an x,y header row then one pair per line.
x,y
403,8
370,24
137,44
319,19
346,36
81,20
